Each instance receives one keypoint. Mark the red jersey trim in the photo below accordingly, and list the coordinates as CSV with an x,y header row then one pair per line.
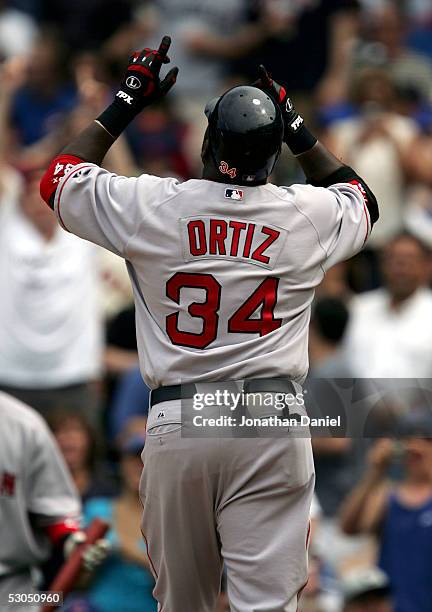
x,y
72,172
357,184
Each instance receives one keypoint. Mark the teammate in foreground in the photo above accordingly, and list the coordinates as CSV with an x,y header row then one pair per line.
x,y
39,506
223,270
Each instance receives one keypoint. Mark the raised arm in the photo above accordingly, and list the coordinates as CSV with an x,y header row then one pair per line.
x,y
363,510
141,86
320,166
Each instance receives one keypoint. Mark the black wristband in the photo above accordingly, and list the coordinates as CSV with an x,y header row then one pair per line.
x,y
300,141
115,118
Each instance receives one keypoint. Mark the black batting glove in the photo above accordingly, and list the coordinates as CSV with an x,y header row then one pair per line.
x,y
296,135
140,87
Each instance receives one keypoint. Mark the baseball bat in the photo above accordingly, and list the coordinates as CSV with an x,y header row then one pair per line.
x,y
68,573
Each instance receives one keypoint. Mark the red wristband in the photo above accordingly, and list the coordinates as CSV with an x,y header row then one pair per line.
x,y
59,166
58,530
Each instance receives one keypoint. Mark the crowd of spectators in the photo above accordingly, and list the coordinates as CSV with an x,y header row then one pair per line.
x,y
361,73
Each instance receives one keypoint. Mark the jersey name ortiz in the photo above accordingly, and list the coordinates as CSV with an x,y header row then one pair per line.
x,y
231,238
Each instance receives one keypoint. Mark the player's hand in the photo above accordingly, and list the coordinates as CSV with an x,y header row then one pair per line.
x,y
141,84
93,555
381,454
292,120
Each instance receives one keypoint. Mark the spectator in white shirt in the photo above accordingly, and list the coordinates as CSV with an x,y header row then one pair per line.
x,y
50,326
390,331
377,140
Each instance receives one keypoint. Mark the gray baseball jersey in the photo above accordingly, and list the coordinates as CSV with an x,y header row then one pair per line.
x,y
35,487
223,277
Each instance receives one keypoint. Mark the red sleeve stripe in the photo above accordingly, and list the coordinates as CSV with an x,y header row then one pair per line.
x,y
362,192
61,191
367,222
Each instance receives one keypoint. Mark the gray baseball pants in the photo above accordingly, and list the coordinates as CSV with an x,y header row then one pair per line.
x,y
242,502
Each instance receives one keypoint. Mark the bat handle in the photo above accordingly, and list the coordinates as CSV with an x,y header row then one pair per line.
x,y
68,573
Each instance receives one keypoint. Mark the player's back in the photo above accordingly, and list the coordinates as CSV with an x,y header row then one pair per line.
x,y
223,276
227,276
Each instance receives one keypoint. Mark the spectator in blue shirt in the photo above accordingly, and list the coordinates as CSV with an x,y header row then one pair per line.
x,y
131,399
400,513
45,97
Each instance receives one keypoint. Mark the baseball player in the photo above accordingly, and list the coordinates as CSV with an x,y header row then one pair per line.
x,y
39,506
223,270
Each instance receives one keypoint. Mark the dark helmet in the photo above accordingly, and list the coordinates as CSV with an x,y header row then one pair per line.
x,y
244,136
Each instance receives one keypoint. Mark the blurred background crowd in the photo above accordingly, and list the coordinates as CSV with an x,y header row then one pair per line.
x,y
361,73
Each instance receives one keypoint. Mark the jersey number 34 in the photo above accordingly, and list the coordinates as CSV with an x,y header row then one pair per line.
x,y
264,298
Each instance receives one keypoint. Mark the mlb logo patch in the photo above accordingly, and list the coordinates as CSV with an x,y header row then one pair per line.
x,y
234,194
